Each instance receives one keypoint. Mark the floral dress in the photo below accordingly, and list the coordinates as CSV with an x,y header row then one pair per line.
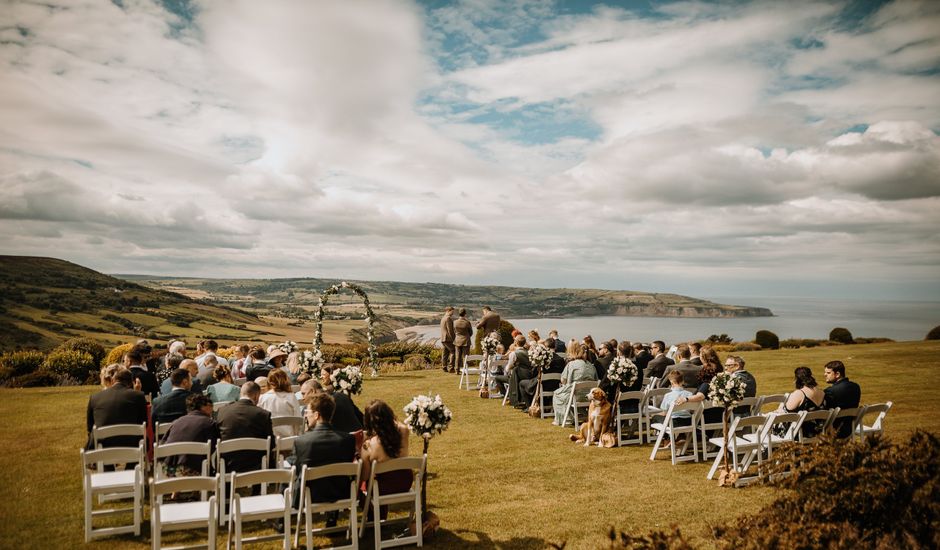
x,y
575,371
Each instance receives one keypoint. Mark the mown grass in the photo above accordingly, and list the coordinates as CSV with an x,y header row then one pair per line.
x,y
498,478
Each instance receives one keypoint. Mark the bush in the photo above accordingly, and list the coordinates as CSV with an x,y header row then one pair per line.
x,y
791,343
19,363
876,340
505,336
934,333
77,365
746,346
841,335
39,379
116,355
86,345
767,340
416,361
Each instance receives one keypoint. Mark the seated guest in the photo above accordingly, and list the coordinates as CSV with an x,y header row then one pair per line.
x,y
519,368
189,365
279,400
808,398
135,361
347,417
605,356
708,356
577,370
256,365
262,382
710,368
842,393
589,344
292,367
178,347
641,358
386,438
206,374
196,426
735,365
244,418
656,367
224,388
676,391
625,350
527,388
559,343
120,403
685,367
277,358
171,362
171,406
533,337
695,353
210,349
321,445
106,376
240,361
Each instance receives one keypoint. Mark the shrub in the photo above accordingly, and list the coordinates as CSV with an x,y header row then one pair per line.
x,y
19,363
746,346
36,379
416,361
841,335
876,340
719,339
791,343
767,340
86,345
77,365
934,333
505,336
116,355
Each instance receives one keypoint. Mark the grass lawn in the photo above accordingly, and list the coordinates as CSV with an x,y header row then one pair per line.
x,y
499,479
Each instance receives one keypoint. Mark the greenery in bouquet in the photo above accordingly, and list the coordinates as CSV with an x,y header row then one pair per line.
x,y
539,356
726,390
622,370
490,342
310,362
426,416
288,346
347,380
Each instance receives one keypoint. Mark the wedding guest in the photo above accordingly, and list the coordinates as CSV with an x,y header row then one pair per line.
x,y
641,358
277,358
447,340
842,393
533,337
135,362
244,418
527,388
120,403
190,366
172,405
489,322
559,343
808,398
695,352
347,417
224,388
578,369
171,362
685,367
708,372
323,444
519,369
605,356
106,376
656,367
735,365
292,366
676,391
262,382
589,344
279,400
463,336
627,350
386,438
210,349
241,361
255,365
196,425
177,346
206,375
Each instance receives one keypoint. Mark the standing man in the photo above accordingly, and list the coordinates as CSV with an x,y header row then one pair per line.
x,y
489,322
463,335
842,393
447,340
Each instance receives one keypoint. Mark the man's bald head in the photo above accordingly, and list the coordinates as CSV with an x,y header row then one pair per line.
x,y
252,391
191,366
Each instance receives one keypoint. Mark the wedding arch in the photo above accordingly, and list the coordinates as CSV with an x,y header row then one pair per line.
x,y
370,318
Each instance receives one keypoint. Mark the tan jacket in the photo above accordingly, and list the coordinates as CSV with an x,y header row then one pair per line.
x,y
463,332
447,329
489,323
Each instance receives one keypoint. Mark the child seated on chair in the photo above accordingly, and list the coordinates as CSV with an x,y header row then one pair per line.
x,y
676,390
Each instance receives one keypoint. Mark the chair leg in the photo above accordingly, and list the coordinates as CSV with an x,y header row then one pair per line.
x,y
672,447
377,524
89,502
659,440
714,468
287,527
354,527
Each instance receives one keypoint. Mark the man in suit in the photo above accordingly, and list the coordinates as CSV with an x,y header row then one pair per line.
x,y
197,425
463,335
346,416
171,406
322,445
196,385
689,371
447,339
244,418
641,358
657,365
118,404
135,363
696,353
734,365
842,393
489,322
559,344
256,365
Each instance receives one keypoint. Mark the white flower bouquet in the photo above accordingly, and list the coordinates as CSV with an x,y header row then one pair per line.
x,y
726,390
310,362
288,347
347,380
539,356
622,371
489,343
426,416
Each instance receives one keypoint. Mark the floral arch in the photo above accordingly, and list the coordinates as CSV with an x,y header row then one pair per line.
x,y
370,318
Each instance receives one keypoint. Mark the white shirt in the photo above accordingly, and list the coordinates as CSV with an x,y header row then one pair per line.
x,y
280,404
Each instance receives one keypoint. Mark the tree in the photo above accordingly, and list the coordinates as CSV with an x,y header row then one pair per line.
x,y
842,335
934,333
767,339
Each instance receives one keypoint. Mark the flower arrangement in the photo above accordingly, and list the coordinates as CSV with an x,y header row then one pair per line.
x,y
426,417
623,371
288,346
540,356
370,318
490,342
310,362
347,380
726,390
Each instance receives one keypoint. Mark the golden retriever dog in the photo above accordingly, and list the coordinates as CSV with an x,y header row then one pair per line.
x,y
598,419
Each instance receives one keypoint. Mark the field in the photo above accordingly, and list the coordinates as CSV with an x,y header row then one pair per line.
x,y
498,478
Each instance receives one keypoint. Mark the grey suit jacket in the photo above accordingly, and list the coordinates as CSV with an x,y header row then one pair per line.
x,y
463,332
447,329
657,366
690,374
489,323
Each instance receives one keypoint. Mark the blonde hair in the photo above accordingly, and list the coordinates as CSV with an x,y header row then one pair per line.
x,y
278,380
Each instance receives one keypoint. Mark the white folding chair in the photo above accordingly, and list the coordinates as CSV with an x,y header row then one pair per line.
x,y
376,500
283,446
768,439
308,507
742,450
231,445
650,406
159,430
863,430
847,416
271,505
650,383
176,516
546,404
578,399
117,484
704,427
466,370
497,366
167,450
669,427
296,423
750,403
764,401
624,419
820,418
100,433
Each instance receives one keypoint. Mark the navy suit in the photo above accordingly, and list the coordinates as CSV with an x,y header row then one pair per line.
x,y
320,446
844,394
171,406
118,404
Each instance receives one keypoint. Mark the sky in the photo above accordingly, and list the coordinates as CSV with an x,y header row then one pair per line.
x,y
708,149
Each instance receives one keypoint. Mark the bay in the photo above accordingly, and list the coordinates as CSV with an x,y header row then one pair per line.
x,y
793,318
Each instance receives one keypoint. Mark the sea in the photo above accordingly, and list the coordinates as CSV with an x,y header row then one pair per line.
x,y
793,318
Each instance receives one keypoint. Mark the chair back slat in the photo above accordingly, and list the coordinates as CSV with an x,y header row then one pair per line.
x,y
185,484
349,469
259,477
243,444
112,455
182,448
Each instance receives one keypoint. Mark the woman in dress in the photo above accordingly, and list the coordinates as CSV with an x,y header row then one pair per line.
x,y
386,438
577,370
280,401
808,397
224,388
